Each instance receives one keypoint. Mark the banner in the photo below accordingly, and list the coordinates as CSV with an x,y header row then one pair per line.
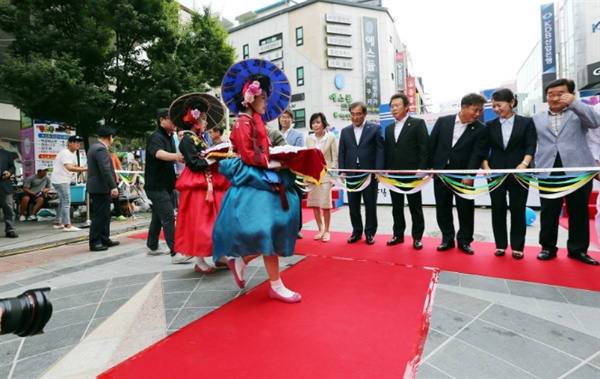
x,y
371,58
548,43
400,72
411,92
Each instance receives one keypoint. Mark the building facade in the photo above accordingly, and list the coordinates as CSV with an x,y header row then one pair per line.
x,y
577,53
334,53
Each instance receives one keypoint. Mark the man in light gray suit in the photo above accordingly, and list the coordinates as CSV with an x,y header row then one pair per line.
x,y
561,137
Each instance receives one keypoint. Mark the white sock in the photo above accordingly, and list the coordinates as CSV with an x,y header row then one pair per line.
x,y
239,267
278,287
202,263
224,259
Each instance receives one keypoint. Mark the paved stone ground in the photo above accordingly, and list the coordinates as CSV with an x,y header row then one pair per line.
x,y
480,326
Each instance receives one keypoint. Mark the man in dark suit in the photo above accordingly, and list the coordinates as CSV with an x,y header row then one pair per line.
x,y
7,169
561,137
406,147
102,187
361,147
457,142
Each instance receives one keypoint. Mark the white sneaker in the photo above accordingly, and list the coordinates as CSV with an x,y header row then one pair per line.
x,y
22,218
159,251
71,229
180,258
58,226
32,218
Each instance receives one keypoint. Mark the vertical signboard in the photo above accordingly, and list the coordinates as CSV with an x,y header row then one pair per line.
x,y
400,76
411,92
548,46
27,153
371,58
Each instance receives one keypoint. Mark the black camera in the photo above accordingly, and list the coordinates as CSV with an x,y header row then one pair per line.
x,y
27,314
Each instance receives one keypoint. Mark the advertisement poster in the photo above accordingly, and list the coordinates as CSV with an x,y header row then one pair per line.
x,y
371,58
48,139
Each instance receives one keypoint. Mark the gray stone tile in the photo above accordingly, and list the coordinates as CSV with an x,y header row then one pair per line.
x,y
179,274
460,360
585,371
537,358
183,285
8,350
52,340
130,280
536,291
188,315
170,315
595,361
116,293
37,279
10,286
176,300
71,316
581,297
210,298
427,371
450,278
34,367
107,308
547,305
220,281
559,337
448,321
459,302
483,283
434,340
78,300
5,370
60,293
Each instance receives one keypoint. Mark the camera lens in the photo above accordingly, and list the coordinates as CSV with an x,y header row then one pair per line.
x,y
27,314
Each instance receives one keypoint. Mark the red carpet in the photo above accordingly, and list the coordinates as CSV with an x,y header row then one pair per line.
x,y
356,319
594,238
561,271
307,216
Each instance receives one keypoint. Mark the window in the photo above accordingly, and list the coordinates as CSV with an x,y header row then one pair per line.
x,y
299,36
246,52
299,118
300,76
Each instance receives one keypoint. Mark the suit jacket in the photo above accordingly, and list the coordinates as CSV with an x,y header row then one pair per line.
x,y
571,140
468,153
369,150
522,141
101,173
295,138
329,148
411,150
6,164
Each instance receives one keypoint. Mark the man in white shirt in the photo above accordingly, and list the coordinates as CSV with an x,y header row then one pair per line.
x,y
63,167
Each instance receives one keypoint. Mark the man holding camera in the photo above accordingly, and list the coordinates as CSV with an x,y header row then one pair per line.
x,y
35,190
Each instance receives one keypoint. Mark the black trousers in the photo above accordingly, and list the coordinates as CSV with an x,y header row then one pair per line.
x,y
517,196
579,215
100,227
369,196
445,220
163,217
415,205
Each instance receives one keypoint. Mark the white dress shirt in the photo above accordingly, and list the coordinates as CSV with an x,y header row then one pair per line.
x,y
459,129
398,127
507,128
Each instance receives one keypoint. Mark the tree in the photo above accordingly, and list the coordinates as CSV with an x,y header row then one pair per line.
x,y
117,61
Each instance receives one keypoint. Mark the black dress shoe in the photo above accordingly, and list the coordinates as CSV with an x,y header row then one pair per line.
x,y
98,248
12,234
417,244
370,240
112,243
466,248
395,241
583,257
445,246
546,255
353,238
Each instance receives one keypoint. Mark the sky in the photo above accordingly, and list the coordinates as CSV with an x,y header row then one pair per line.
x,y
456,46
